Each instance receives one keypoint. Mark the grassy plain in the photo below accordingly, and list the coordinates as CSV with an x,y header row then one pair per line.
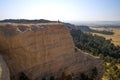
x,y
115,37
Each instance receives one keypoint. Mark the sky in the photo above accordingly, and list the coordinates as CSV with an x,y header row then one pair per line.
x,y
64,10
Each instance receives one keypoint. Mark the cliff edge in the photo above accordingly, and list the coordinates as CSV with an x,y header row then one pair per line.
x,y
42,50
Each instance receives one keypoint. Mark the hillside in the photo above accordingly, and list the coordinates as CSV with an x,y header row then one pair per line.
x,y
101,47
88,29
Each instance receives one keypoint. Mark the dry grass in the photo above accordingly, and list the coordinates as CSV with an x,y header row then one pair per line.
x,y
118,65
115,37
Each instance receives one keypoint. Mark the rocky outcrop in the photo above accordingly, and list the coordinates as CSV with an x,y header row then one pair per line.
x,y
4,71
43,50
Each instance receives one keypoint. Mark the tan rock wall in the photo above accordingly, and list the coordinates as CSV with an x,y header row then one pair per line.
x,y
37,47
4,71
40,50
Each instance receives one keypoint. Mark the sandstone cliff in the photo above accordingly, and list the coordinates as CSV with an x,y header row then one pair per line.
x,y
43,50
4,71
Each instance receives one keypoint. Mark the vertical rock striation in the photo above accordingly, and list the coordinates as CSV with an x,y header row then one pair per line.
x,y
4,71
42,50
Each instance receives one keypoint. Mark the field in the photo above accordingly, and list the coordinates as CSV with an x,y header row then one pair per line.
x,y
115,37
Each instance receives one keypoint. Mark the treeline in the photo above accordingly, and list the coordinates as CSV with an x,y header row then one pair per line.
x,y
95,44
24,21
103,32
109,26
87,29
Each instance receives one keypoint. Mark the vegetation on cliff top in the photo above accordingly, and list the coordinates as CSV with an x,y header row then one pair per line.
x,y
25,21
101,47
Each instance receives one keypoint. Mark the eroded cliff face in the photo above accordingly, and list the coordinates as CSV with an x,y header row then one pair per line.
x,y
4,71
43,50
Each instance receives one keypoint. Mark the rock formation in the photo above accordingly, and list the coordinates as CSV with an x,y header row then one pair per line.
x,y
43,50
4,71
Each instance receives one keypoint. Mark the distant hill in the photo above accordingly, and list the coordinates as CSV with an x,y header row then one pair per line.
x,y
106,26
87,29
109,26
81,27
70,26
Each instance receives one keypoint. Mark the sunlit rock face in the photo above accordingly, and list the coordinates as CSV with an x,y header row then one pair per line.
x,y
43,50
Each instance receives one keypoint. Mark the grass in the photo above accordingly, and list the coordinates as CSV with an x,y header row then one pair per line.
x,y
118,65
115,37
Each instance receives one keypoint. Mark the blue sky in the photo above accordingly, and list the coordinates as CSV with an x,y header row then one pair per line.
x,y
64,10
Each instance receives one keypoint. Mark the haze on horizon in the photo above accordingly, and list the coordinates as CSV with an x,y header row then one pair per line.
x,y
64,10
